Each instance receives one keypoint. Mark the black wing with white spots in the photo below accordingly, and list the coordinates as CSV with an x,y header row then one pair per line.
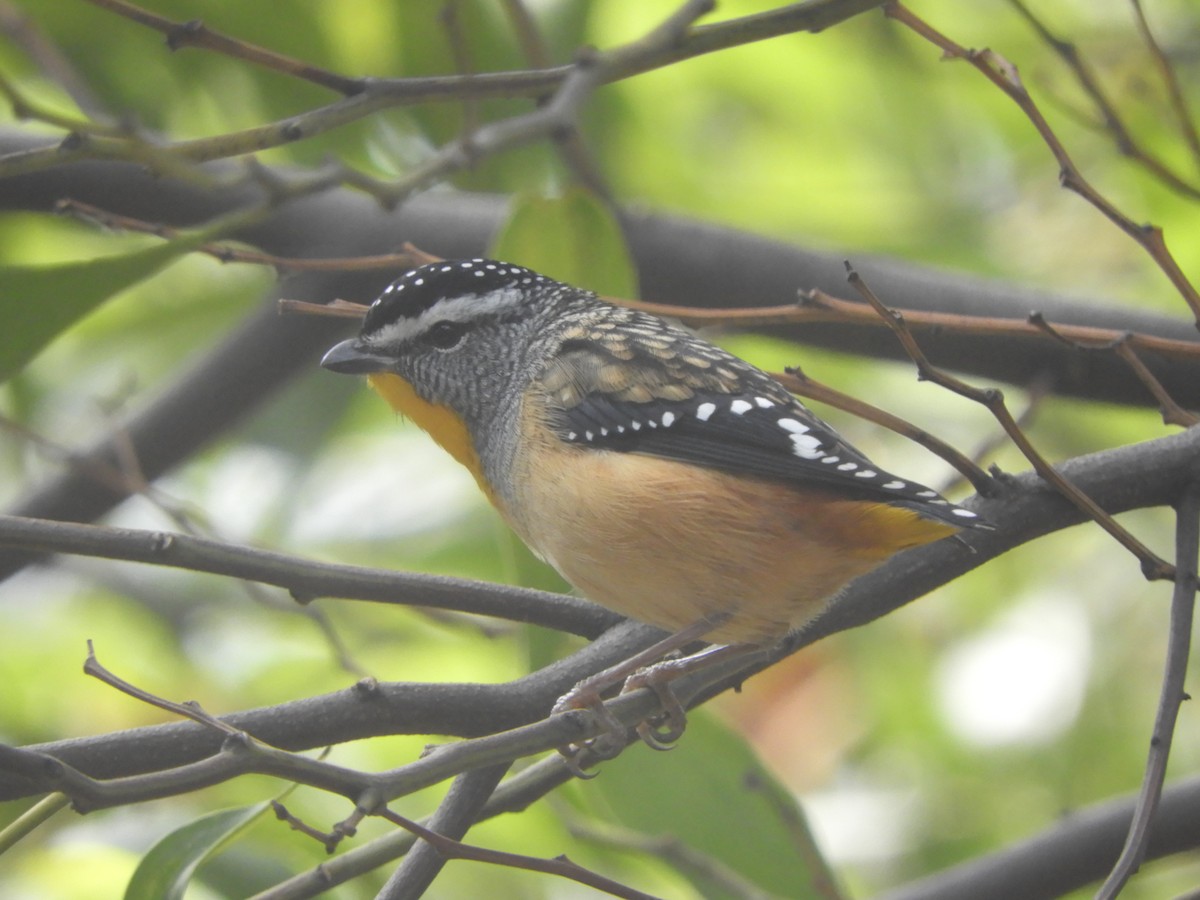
x,y
645,387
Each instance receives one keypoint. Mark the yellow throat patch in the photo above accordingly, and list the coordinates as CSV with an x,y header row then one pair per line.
x,y
440,422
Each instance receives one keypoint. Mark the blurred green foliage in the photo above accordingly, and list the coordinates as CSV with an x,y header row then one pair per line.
x,y
856,138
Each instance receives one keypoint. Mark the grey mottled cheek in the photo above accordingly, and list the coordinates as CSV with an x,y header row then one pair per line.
x,y
494,419
497,438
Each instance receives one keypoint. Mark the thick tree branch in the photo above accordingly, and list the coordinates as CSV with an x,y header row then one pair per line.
x,y
1072,853
458,812
307,579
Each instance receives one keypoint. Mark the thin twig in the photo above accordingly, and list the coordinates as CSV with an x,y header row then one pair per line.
x,y
529,37
241,753
1172,695
196,34
189,709
26,823
406,257
458,812
1166,71
1004,75
24,32
328,840
557,116
1153,567
701,868
1123,139
570,145
461,53
799,383
1122,346
1035,392
816,306
334,309
1172,412
97,470
514,795
560,866
822,307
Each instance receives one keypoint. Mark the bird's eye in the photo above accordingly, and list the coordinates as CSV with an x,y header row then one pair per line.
x,y
445,335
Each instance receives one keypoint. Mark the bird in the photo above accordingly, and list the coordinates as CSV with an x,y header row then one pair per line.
x,y
663,477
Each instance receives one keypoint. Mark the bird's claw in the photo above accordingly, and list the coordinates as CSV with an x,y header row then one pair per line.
x,y
606,745
659,732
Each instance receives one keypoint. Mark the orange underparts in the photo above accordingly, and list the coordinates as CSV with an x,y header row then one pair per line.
x,y
890,529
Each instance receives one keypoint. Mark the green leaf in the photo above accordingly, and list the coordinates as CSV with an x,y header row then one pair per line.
x,y
574,238
37,303
713,795
164,872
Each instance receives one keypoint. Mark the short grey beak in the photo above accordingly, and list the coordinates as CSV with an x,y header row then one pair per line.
x,y
351,358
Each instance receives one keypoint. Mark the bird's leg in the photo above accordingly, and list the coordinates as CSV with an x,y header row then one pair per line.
x,y
587,694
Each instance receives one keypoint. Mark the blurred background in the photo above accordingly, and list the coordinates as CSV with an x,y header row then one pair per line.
x,y
966,721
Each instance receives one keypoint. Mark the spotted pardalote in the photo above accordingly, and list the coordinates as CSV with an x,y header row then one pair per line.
x,y
660,475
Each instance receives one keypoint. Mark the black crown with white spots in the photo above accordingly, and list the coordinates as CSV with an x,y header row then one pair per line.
x,y
419,290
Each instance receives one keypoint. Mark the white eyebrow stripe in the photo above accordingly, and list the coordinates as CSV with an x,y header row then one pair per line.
x,y
450,309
